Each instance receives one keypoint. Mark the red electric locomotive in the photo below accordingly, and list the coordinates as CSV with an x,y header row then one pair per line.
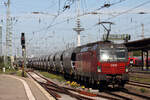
x,y
101,64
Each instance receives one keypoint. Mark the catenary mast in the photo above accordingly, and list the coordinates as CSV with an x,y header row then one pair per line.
x,y
78,28
8,50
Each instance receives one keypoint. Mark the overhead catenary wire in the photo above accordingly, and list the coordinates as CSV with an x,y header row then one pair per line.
x,y
83,14
140,5
124,12
66,6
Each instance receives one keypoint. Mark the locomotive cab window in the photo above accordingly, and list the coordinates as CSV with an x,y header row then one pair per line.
x,y
121,53
106,55
112,54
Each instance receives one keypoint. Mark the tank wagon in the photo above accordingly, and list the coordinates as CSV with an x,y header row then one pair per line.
x,y
98,64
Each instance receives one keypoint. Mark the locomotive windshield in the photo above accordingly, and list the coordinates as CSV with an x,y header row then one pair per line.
x,y
112,54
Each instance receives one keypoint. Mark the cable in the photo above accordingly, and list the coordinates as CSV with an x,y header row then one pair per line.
x,y
102,7
129,10
66,5
123,12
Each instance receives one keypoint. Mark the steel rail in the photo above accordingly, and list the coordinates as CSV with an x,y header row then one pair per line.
x,y
50,83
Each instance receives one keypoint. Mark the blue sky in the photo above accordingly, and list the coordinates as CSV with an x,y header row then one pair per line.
x,y
43,40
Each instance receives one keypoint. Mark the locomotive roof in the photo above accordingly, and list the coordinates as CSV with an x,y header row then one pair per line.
x,y
97,42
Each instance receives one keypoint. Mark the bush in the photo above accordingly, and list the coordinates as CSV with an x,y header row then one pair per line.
x,y
2,64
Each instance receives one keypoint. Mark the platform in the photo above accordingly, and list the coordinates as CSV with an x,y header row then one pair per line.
x,y
18,88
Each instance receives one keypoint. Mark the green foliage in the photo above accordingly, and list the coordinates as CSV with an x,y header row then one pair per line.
x,y
6,65
19,73
13,71
52,76
1,62
8,71
137,53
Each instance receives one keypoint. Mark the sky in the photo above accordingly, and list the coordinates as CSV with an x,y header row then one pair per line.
x,y
52,29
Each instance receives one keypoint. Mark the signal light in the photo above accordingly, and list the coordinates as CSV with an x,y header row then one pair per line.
x,y
23,40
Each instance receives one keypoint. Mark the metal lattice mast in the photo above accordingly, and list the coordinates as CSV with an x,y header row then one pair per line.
x,y
78,29
8,31
1,53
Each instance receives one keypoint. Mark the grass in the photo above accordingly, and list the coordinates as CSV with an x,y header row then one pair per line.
x,y
12,71
8,71
53,76
19,73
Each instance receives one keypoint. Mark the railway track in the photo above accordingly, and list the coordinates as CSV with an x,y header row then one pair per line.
x,y
141,72
124,94
139,77
136,95
139,84
56,90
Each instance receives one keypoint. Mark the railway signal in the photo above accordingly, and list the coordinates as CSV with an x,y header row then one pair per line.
x,y
23,40
23,52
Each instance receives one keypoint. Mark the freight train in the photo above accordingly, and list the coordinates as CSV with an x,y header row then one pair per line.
x,y
97,64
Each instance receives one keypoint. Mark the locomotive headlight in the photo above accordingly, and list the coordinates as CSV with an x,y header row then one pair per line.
x,y
99,69
105,57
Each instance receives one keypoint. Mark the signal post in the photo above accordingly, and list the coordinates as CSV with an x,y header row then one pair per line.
x,y
23,53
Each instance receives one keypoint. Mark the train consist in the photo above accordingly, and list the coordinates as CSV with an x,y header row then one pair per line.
x,y
98,64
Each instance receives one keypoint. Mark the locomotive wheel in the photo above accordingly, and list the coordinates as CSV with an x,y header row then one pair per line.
x,y
102,86
78,78
93,84
87,82
65,76
81,80
72,77
121,85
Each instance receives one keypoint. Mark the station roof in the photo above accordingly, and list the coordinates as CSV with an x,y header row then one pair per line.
x,y
143,44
